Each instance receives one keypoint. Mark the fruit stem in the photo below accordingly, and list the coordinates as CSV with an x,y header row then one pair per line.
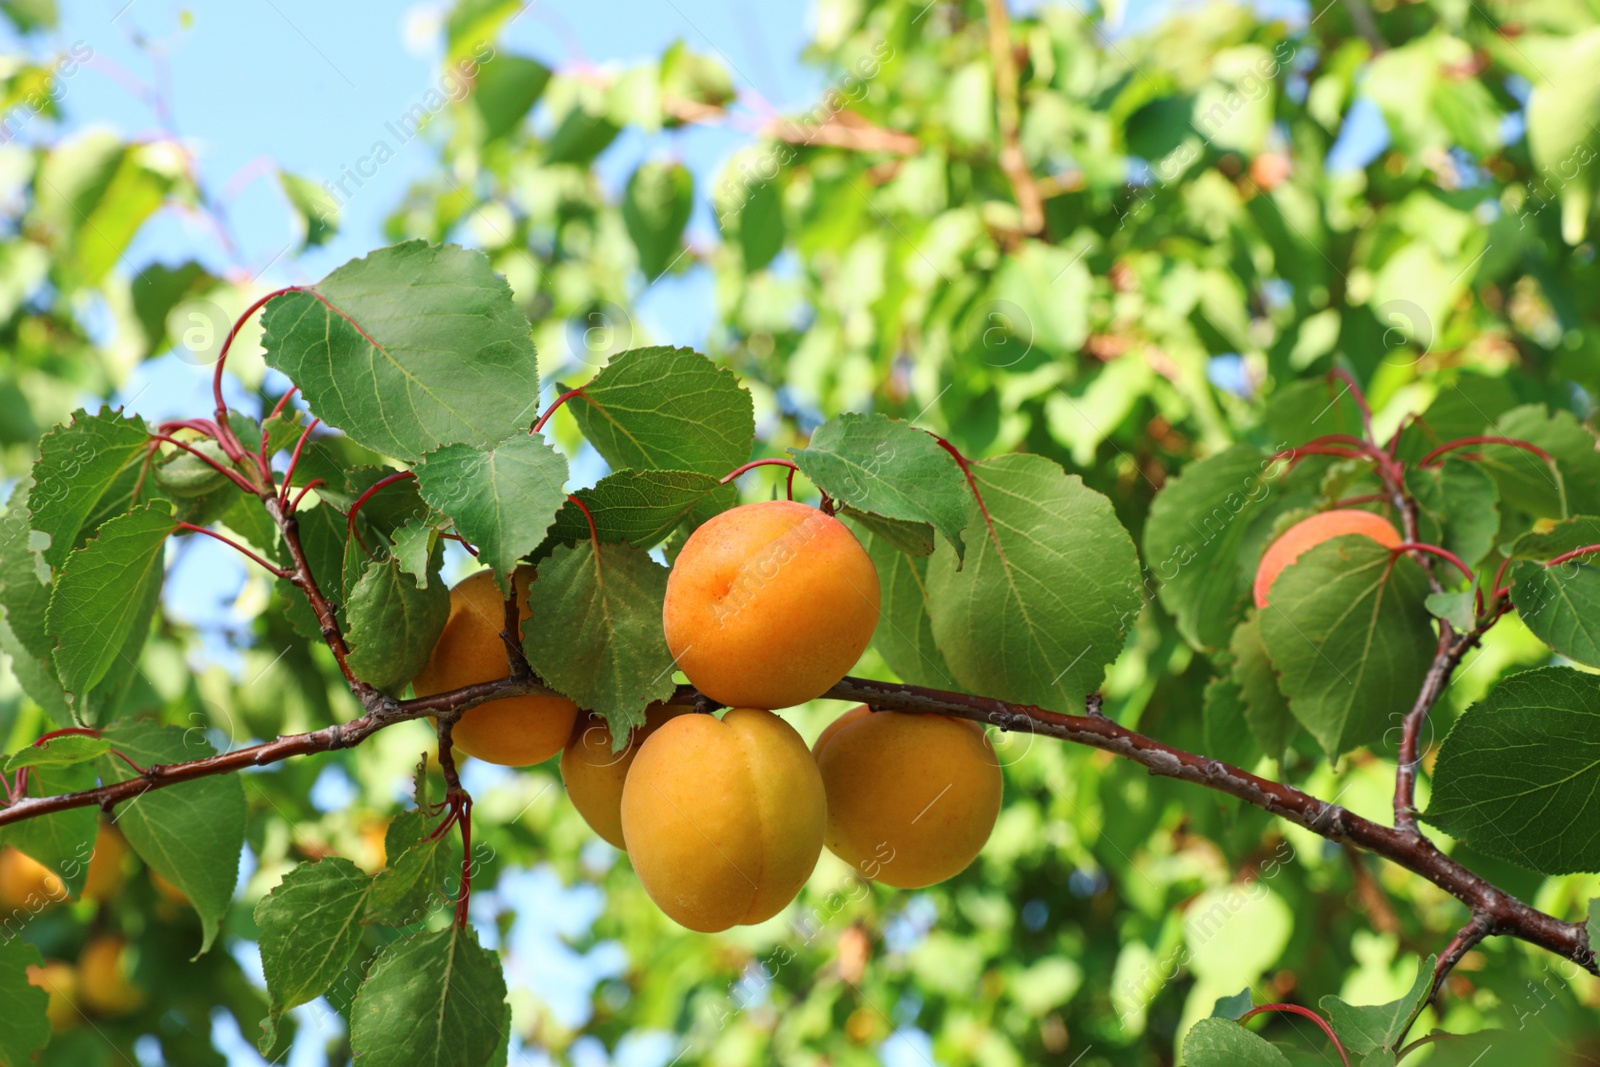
x,y
554,406
1306,1013
1586,550
231,543
232,475
462,541
1360,399
225,435
355,509
294,461
294,505
1435,550
1431,458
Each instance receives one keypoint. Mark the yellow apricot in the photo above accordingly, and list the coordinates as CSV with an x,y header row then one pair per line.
x,y
60,980
513,731
723,818
768,605
1309,533
105,876
594,775
104,984
169,892
27,883
912,798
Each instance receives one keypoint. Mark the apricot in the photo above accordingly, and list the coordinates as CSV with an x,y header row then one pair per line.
x,y
60,981
105,876
912,798
1309,533
594,775
513,731
27,883
104,976
723,819
768,605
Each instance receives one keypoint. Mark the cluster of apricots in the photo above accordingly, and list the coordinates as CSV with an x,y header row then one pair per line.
x,y
768,606
100,983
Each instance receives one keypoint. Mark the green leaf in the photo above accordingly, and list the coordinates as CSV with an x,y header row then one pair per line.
x,y
1350,638
502,498
94,192
599,638
1538,810
62,840
1560,604
1561,133
655,209
158,289
102,600
582,135
61,751
435,998
1364,1029
1464,501
85,470
413,549
1224,1043
190,834
904,636
888,467
1048,590
666,409
391,625
1234,1006
1526,482
27,16
413,347
1228,734
314,207
912,538
506,91
25,578
1194,535
310,930
759,222
422,869
1457,609
24,1029
639,507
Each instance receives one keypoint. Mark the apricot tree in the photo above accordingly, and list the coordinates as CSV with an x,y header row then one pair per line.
x,y
997,590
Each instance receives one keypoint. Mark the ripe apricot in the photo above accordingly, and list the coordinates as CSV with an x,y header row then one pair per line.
x,y
768,605
106,865
594,775
104,981
1309,533
27,883
513,731
723,818
912,798
60,980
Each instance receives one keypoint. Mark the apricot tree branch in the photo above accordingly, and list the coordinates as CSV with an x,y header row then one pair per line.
x,y
1497,911
1013,162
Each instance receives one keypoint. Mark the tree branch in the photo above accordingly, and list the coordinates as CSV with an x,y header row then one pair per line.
x,y
1009,115
1499,912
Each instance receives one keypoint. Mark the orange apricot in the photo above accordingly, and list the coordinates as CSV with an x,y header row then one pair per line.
x,y
768,605
106,865
512,731
1308,533
594,775
60,981
723,819
27,883
912,798
104,976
